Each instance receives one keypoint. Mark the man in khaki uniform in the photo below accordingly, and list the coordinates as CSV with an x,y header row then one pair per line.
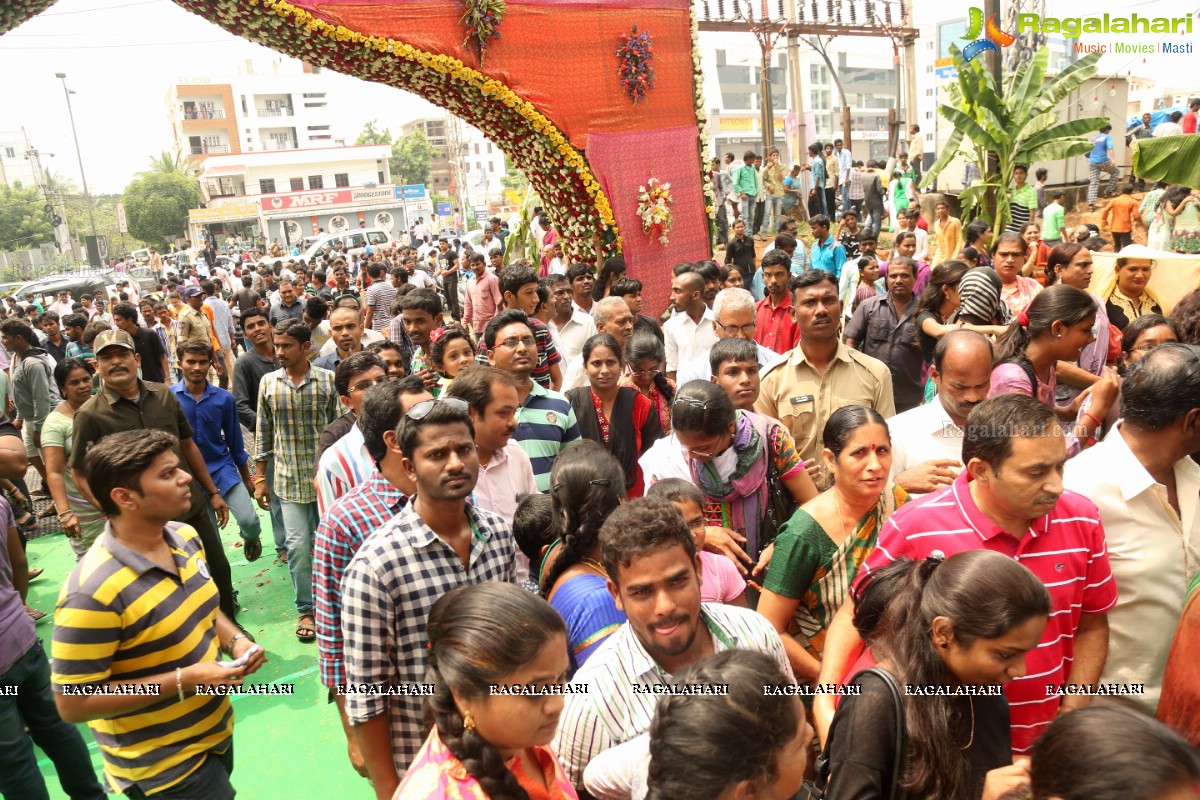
x,y
821,374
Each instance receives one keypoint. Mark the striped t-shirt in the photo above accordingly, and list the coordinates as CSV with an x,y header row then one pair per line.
x,y
121,617
1065,549
545,425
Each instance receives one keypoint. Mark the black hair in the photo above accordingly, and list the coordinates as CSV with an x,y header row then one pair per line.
x,y
480,634
702,407
474,385
64,368
119,460
354,364
843,422
776,258
642,526
126,311
731,350
533,526
1135,329
509,316
586,484
612,267
984,595
15,327
675,490
975,229
514,277
602,340
408,430
381,412
702,745
707,270
1010,236
1058,303
579,270
1161,387
295,328
1104,752
1186,315
878,589
425,300
250,313
452,332
993,424
194,346
625,285
208,287
784,241
1061,256
811,277
643,346
75,321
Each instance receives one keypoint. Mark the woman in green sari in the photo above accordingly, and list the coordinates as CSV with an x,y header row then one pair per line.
x,y
819,550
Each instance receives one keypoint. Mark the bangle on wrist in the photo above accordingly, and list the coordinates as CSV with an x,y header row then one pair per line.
x,y
1093,419
260,479
179,682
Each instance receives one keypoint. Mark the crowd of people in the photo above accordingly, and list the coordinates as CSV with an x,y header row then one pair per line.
x,y
933,517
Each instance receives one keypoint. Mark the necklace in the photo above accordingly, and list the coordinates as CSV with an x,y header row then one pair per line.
x,y
594,564
971,738
841,515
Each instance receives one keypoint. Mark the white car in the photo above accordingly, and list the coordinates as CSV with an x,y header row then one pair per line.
x,y
355,242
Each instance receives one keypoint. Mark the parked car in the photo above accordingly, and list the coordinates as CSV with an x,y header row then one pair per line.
x,y
97,284
355,241
145,279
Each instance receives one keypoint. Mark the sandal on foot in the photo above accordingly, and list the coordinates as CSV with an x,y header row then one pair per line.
x,y
252,549
34,614
281,555
48,511
33,573
306,631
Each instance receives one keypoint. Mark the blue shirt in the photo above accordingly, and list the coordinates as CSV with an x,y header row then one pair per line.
x,y
830,258
217,431
1102,143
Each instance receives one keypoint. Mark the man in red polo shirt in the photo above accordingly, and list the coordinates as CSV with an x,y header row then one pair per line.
x,y
774,327
1008,499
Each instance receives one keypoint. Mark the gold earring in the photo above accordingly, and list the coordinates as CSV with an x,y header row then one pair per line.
x,y
468,721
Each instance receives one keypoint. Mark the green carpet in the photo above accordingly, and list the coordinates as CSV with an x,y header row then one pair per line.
x,y
285,746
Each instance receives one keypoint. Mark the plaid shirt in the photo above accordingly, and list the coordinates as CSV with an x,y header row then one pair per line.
x,y
398,574
290,421
343,529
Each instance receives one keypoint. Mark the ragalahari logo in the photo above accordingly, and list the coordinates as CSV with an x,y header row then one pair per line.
x,y
993,39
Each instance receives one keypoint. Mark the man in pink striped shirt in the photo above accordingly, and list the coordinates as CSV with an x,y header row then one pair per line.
x,y
483,296
1009,499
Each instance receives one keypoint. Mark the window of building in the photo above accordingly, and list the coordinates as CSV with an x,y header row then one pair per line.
x,y
10,152
929,92
489,147
491,166
318,127
737,88
477,148
818,73
315,182
341,179
245,112
297,184
314,94
381,180
266,185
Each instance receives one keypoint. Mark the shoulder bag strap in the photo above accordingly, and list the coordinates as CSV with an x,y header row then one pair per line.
x,y
896,792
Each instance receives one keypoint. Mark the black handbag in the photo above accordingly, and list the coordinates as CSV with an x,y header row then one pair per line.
x,y
780,507
815,790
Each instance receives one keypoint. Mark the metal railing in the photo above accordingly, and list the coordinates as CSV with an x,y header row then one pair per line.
x,y
274,112
205,149
214,114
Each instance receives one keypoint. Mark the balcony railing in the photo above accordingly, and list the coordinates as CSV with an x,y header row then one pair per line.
x,y
201,114
205,149
278,145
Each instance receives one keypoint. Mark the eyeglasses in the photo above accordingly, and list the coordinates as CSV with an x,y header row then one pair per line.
x,y
717,450
422,409
697,524
644,373
734,330
513,342
362,386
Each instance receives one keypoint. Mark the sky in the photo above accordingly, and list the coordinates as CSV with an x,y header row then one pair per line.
x,y
120,56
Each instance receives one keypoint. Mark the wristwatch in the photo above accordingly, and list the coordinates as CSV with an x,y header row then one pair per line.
x,y
239,635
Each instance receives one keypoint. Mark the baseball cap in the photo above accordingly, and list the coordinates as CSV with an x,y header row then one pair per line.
x,y
193,291
112,338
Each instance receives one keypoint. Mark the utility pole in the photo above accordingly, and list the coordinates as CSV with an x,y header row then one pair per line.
x,y
767,33
78,153
54,208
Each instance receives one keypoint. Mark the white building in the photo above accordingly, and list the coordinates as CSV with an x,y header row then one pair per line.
x,y
731,63
253,112
290,194
467,166
14,166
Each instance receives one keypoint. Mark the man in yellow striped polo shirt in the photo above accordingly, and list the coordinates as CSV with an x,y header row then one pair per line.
x,y
137,630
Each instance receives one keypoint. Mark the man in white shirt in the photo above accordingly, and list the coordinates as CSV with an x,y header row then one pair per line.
x,y
556,266
570,326
1148,491
733,318
927,440
648,552
689,333
1171,127
61,307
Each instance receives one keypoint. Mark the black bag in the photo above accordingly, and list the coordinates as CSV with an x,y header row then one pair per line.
x,y
780,507
815,790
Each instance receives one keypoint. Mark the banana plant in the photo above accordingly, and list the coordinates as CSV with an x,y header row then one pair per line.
x,y
1018,122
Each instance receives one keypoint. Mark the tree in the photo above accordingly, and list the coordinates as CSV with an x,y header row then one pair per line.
x,y
104,209
57,184
157,205
412,156
514,179
1019,124
24,223
371,134
172,163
